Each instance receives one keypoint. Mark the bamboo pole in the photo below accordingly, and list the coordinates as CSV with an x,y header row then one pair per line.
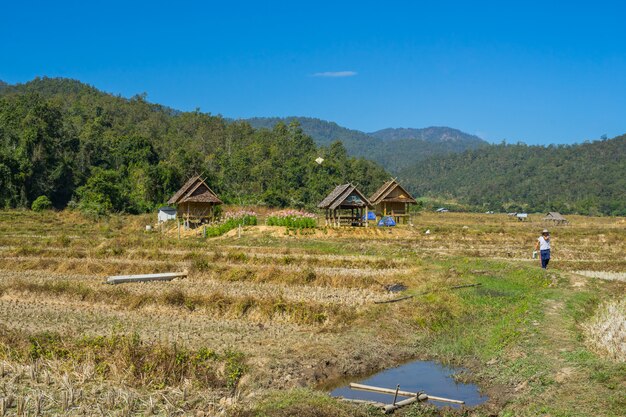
x,y
421,397
370,388
392,407
368,402
443,400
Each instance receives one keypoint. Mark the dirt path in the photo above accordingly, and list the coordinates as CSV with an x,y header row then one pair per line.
x,y
566,377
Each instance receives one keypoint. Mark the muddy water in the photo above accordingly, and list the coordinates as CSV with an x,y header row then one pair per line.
x,y
429,377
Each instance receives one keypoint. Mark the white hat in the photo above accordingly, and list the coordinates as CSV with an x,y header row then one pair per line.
x,y
545,232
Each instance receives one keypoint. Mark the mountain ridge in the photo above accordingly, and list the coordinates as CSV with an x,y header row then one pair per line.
x,y
394,148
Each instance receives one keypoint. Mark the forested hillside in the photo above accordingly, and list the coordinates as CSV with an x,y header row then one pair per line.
x,y
588,178
409,145
76,145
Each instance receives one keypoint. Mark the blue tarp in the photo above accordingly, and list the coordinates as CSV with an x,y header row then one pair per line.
x,y
387,221
370,216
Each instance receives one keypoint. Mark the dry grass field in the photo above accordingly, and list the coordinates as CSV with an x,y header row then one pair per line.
x,y
265,319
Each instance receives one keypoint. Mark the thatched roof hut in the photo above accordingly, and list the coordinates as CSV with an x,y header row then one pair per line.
x,y
392,199
343,198
555,217
195,201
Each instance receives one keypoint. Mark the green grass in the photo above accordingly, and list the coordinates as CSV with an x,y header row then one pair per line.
x,y
304,403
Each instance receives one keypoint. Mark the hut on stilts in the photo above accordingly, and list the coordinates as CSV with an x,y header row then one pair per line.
x,y
346,206
195,202
392,200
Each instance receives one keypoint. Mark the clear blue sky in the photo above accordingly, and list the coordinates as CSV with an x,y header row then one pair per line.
x,y
534,71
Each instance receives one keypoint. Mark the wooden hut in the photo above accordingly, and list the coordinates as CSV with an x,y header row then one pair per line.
x,y
346,206
392,200
195,202
555,217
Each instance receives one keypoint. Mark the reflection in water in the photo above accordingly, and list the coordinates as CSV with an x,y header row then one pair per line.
x,y
429,377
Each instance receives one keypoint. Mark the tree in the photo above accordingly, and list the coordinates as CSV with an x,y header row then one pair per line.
x,y
41,203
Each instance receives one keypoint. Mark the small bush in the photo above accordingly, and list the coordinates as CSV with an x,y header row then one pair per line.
x,y
41,203
230,221
292,219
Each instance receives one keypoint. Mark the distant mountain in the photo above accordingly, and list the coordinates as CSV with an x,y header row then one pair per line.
x,y
433,134
323,132
394,149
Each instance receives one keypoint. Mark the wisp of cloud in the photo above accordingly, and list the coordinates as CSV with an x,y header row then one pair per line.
x,y
335,74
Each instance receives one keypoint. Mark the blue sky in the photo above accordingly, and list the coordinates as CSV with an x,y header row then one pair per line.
x,y
538,72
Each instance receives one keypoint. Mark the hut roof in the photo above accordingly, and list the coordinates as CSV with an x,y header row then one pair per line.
x,y
382,194
553,215
195,190
339,196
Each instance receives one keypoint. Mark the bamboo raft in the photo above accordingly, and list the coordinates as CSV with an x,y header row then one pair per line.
x,y
390,408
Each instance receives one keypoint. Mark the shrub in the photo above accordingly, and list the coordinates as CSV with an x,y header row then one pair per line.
x,y
293,219
232,220
41,203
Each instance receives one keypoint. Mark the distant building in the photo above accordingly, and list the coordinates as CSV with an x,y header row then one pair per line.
x,y
346,206
555,217
166,213
442,210
195,202
391,199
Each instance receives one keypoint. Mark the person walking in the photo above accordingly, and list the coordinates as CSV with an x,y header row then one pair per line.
x,y
543,246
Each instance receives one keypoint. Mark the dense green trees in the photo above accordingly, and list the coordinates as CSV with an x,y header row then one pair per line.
x,y
589,178
68,141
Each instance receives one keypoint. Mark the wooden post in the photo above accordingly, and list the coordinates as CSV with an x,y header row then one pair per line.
x,y
406,213
178,229
366,216
395,397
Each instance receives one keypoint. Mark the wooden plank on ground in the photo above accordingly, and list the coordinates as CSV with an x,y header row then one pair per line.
x,y
166,276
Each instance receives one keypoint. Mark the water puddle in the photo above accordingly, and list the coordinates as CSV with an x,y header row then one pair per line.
x,y
426,376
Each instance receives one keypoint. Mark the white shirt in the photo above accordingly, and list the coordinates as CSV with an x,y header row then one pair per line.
x,y
544,244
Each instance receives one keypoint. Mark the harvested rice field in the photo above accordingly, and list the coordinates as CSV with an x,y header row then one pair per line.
x,y
269,319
